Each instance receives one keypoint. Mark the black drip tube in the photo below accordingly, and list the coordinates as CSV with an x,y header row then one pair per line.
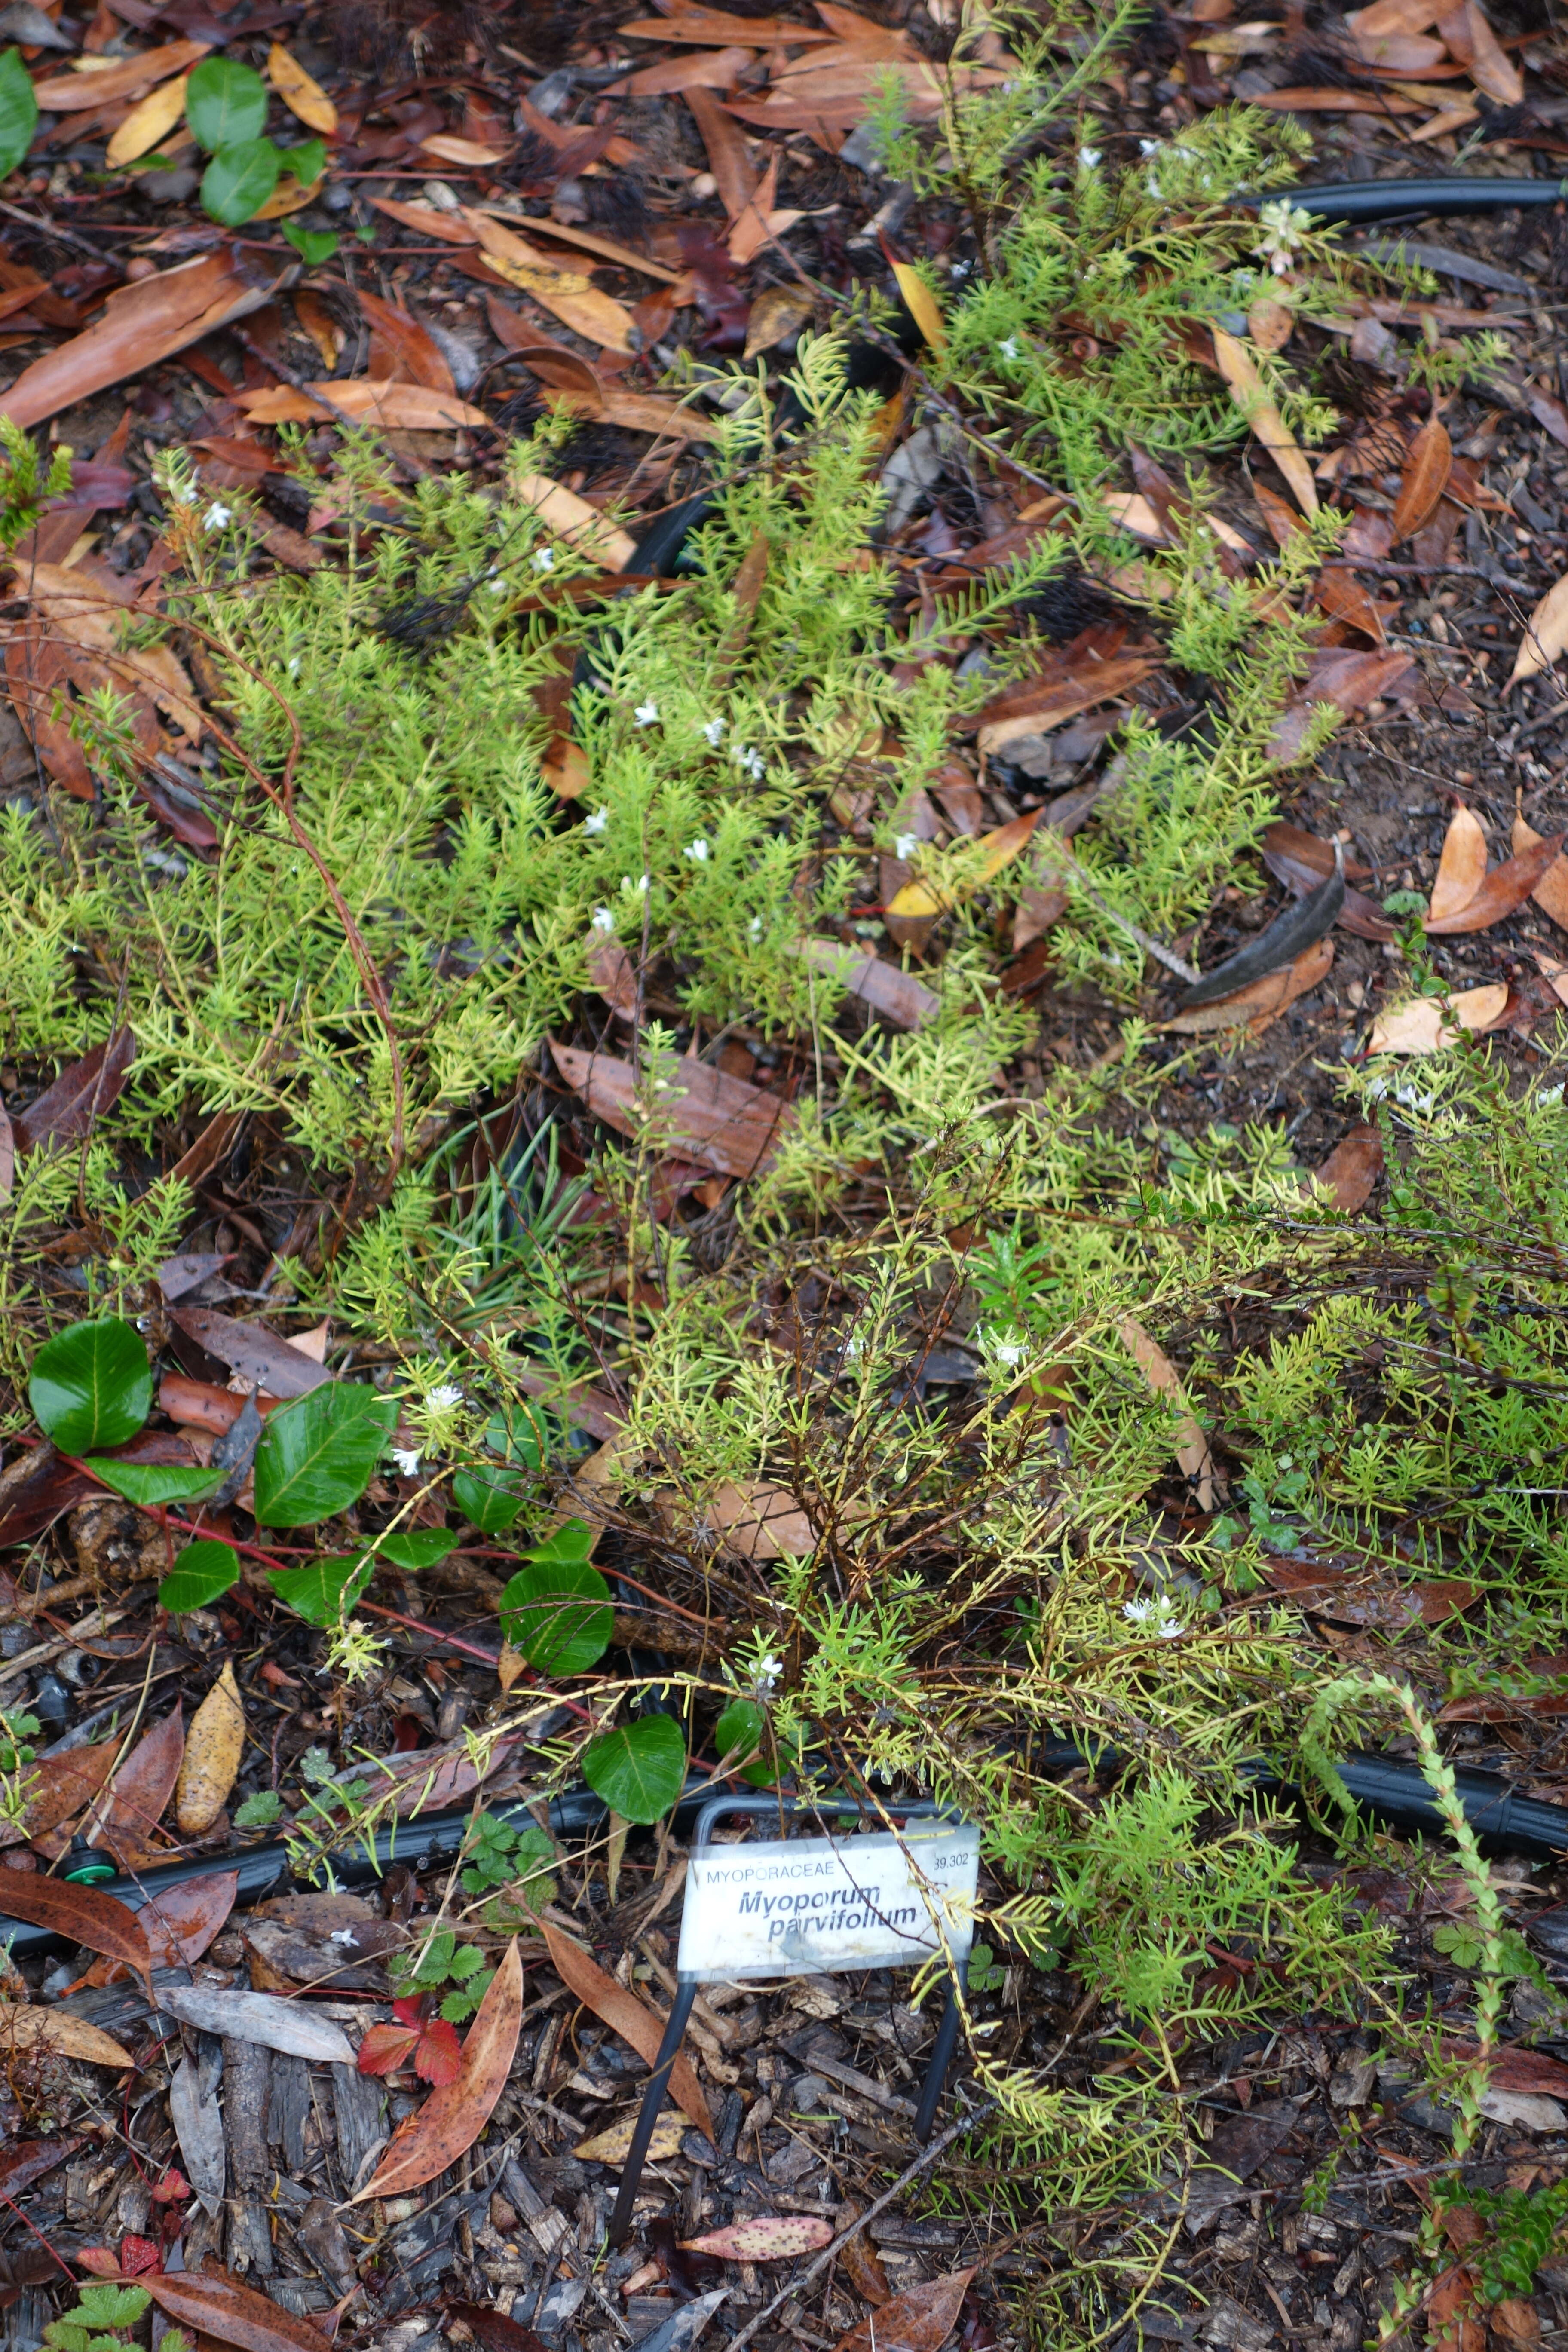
x,y
1355,203
1396,1793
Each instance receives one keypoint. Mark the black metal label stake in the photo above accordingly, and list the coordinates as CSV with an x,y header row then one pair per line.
x,y
817,1906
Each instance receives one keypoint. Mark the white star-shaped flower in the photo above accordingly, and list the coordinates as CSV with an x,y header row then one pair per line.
x,y
1009,347
543,559
906,843
697,851
713,731
217,516
598,821
603,921
646,713
408,1460
1089,159
442,1399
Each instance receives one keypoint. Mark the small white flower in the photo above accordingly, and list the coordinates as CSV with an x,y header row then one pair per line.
x,y
1549,1095
293,665
543,559
442,1399
1148,146
713,731
906,844
1009,347
751,762
755,928
646,713
1006,1348
408,1460
1170,1629
1089,159
598,822
603,920
497,585
186,493
1138,1613
764,1678
630,889
217,516
1284,225
697,851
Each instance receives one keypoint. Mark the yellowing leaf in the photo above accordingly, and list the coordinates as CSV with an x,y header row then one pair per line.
x,y
1546,636
613,2146
918,898
289,197
776,312
1551,893
922,305
300,94
23,2029
572,518
213,1749
1417,1026
571,296
1270,323
146,124
1268,426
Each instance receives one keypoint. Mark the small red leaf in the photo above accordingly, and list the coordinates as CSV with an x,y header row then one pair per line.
x,y
97,2260
439,2056
386,2048
410,2009
139,2255
172,2187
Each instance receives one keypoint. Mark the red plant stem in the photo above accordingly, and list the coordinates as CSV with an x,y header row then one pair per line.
x,y
43,2241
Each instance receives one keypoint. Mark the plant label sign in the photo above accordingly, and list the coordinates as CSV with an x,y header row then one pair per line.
x,y
809,1906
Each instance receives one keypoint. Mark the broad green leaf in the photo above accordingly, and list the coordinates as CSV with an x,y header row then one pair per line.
x,y
92,1386
415,1547
574,1541
558,1612
639,1768
239,181
318,1453
745,1726
225,104
151,1483
313,246
203,1570
18,112
323,1588
489,1496
306,162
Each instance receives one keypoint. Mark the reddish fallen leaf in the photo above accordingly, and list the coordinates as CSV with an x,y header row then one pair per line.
x,y
920,2320
862,2265
83,1913
493,2328
140,2256
1470,39
1511,2068
142,323
400,348
219,2307
705,25
1301,861
387,2049
1505,890
1423,480
612,972
252,1350
1352,1169
97,2262
39,1485
618,2008
1551,893
1453,2323
720,1121
428,2044
1356,1596
765,2238
1348,681
26,2161
733,171
452,2117
901,1000
1419,1026
59,1787
1261,1001
181,1921
141,1787
78,1098
122,78
1034,709
1343,598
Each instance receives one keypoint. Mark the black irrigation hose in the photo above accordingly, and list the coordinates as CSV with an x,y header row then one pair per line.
x,y
1393,1792
1355,203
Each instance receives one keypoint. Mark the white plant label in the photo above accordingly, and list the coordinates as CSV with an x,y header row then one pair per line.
x,y
810,1906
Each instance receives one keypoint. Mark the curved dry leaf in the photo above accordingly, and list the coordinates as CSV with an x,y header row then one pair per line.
x,y
764,2238
775,314
568,293
290,2026
1417,1026
1341,596
1270,323
24,2029
401,349
920,303
1423,480
1505,887
1267,426
1471,41
147,123
575,520
613,2144
1551,893
618,2008
59,1787
1191,1448
70,93
920,2320
370,400
1545,636
130,1809
1462,868
85,1914
213,1749
301,94
1263,1000
223,2309
762,1522
452,2117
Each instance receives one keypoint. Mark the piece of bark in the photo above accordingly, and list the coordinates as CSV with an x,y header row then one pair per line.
x,y
246,2086
359,2113
287,2111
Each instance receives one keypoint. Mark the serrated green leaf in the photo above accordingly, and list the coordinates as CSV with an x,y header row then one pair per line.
x,y
225,104
323,1590
203,1570
91,1386
639,1768
18,112
240,179
317,1455
258,1812
150,1484
559,1613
